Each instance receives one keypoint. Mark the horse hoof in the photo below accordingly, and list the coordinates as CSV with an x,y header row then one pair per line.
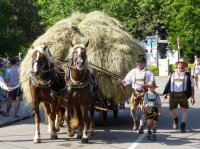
x,y
84,140
57,130
37,141
54,137
71,134
79,137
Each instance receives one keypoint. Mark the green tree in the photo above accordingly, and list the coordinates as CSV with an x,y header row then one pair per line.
x,y
53,11
10,38
184,22
19,25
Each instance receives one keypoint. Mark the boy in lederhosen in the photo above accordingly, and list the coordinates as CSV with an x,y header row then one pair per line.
x,y
152,108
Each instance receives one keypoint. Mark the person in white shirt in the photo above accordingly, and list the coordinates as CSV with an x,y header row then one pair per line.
x,y
196,71
139,77
3,85
180,86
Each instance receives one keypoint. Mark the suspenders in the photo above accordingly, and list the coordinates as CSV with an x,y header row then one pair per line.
x,y
153,100
183,81
134,77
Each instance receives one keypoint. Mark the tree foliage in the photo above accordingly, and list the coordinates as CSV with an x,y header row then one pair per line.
x,y
184,22
19,25
21,19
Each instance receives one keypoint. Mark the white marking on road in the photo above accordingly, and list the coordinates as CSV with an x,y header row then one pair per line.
x,y
139,139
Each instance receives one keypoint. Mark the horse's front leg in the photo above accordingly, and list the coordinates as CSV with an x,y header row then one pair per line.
x,y
58,114
84,111
52,118
37,138
70,130
91,131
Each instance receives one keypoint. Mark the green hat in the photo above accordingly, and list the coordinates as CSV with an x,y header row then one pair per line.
x,y
141,58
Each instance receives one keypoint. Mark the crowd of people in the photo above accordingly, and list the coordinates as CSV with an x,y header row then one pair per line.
x,y
9,84
179,87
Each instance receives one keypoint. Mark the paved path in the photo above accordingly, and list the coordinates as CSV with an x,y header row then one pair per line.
x,y
24,112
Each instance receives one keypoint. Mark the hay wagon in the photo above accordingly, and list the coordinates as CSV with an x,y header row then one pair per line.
x,y
110,47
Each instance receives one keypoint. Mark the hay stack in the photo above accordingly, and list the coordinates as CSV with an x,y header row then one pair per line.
x,y
110,47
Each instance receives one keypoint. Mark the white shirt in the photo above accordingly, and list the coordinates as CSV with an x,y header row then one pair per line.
x,y
2,83
136,78
197,69
177,82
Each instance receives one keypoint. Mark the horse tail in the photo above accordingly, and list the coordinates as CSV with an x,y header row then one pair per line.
x,y
74,121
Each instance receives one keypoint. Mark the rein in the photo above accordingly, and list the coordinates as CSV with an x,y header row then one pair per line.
x,y
100,71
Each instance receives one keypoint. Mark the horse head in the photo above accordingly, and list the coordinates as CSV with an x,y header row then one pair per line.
x,y
42,60
79,55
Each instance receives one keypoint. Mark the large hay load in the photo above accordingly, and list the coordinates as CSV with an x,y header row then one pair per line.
x,y
110,47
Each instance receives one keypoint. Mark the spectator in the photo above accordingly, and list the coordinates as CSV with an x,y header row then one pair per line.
x,y
12,79
196,71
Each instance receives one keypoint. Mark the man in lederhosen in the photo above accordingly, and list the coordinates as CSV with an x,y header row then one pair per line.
x,y
180,86
139,77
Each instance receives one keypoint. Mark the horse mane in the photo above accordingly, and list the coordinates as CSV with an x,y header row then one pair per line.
x,y
45,52
79,45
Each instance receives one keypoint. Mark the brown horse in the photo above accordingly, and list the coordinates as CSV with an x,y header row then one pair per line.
x,y
46,85
79,95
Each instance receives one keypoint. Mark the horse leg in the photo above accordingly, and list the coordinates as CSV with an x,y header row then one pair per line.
x,y
80,123
68,112
91,131
47,116
58,114
53,133
84,111
37,138
51,121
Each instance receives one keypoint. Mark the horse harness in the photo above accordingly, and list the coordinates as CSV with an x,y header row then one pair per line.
x,y
135,80
47,83
77,84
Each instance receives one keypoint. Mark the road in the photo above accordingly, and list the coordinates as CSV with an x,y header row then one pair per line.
x,y
117,134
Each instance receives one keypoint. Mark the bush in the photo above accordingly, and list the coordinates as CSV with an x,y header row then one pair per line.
x,y
172,67
154,69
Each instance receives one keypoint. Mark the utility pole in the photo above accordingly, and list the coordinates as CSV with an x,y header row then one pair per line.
x,y
178,43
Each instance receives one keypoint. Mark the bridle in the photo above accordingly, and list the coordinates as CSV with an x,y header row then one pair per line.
x,y
79,57
77,63
38,77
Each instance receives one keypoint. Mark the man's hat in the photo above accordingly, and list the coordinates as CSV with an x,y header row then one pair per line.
x,y
141,58
182,61
152,83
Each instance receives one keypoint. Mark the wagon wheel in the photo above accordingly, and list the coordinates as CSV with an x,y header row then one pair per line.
x,y
103,117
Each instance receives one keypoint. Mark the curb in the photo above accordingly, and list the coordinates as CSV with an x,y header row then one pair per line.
x,y
16,120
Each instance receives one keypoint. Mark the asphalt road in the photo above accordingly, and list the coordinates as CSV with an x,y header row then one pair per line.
x,y
117,134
